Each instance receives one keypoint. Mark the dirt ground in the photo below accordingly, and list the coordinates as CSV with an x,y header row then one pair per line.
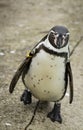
x,y
22,23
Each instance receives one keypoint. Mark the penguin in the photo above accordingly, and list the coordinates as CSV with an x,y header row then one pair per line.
x,y
46,71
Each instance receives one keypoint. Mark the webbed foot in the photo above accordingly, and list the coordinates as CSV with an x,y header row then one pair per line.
x,y
26,97
54,115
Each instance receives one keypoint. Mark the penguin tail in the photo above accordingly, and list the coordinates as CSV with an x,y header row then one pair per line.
x,y
18,74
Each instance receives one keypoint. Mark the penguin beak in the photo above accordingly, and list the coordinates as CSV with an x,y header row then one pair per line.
x,y
59,41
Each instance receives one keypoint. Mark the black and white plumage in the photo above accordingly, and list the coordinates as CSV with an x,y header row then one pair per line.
x,y
46,70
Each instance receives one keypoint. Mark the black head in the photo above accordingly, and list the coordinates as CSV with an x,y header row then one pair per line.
x,y
58,36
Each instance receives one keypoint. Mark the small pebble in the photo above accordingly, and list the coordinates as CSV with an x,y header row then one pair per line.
x,y
7,124
23,41
12,52
2,54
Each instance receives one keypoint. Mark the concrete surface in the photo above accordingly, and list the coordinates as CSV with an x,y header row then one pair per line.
x,y
21,25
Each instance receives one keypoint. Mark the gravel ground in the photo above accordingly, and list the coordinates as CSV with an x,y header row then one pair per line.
x,y
22,23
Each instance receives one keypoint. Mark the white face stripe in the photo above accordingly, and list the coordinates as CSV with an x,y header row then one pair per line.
x,y
67,33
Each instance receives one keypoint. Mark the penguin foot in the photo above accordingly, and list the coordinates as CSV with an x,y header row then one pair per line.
x,y
26,97
54,115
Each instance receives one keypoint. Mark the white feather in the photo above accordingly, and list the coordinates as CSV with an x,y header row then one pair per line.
x,y
45,77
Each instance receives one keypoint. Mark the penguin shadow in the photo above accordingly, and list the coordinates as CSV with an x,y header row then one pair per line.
x,y
43,106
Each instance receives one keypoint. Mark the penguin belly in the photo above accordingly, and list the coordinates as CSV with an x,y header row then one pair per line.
x,y
46,76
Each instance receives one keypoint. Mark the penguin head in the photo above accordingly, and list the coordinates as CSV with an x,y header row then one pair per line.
x,y
58,36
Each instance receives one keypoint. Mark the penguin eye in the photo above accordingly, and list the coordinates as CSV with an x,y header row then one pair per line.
x,y
64,36
56,34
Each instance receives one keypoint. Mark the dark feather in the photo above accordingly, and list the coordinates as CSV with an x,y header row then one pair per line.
x,y
18,74
70,81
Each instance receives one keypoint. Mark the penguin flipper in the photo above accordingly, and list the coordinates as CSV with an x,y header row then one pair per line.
x,y
69,71
18,74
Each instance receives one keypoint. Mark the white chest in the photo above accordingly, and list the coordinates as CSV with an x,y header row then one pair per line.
x,y
45,77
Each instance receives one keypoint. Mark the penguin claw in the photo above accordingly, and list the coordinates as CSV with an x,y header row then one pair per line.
x,y
26,97
54,115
